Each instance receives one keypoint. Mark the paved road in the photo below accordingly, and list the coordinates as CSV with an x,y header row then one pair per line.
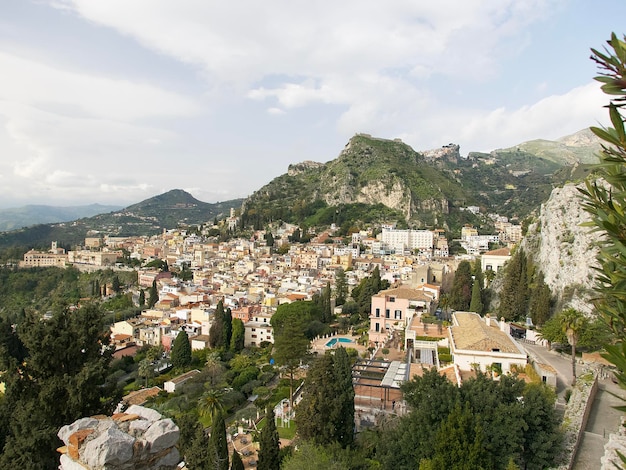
x,y
604,419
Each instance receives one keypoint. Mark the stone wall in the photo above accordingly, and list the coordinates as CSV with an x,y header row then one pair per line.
x,y
138,439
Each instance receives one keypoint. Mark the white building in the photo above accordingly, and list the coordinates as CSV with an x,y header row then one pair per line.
x,y
401,240
481,343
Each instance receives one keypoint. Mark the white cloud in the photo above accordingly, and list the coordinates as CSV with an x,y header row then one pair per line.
x,y
549,118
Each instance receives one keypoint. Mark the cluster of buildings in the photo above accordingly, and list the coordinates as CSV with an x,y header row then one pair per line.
x,y
253,279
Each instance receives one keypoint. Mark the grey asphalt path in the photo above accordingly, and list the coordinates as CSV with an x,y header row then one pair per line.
x,y
604,419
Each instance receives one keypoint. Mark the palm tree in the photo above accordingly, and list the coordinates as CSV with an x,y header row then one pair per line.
x,y
210,404
573,323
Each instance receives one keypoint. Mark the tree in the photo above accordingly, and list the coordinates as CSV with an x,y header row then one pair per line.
x,y
269,238
341,287
476,304
181,350
216,332
197,452
153,298
461,293
459,442
211,404
142,298
325,415
218,446
228,329
269,458
573,323
60,378
236,462
514,292
290,343
115,285
540,303
605,200
146,370
238,336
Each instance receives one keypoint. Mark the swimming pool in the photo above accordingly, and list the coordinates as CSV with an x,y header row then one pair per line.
x,y
334,341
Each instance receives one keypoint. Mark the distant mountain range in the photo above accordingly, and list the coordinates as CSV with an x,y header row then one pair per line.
x,y
25,216
169,210
373,180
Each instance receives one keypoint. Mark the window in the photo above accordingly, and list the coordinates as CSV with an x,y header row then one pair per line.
x,y
253,329
265,320
377,313
377,327
398,314
254,336
392,299
387,313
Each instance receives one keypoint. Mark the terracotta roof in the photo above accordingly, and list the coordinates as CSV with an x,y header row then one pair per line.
x,y
139,397
472,333
498,252
405,293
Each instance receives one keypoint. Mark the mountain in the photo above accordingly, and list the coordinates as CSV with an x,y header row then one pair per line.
x,y
169,210
18,217
421,189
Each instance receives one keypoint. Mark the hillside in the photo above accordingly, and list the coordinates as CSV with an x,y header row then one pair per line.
x,y
25,216
418,189
169,210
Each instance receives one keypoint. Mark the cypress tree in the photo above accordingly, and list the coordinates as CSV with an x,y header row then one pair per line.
x,y
238,336
269,452
461,292
228,328
514,292
345,398
115,285
142,298
216,333
181,350
326,413
341,287
476,305
236,462
218,447
154,295
540,303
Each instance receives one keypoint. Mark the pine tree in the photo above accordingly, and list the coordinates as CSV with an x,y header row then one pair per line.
x,y
62,379
153,298
181,350
218,446
269,452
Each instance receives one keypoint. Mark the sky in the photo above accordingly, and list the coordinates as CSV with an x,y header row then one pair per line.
x,y
116,101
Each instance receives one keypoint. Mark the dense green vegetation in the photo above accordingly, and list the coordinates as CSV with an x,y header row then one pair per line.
x,y
605,201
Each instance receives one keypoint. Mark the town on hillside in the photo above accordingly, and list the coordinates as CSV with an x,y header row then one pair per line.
x,y
408,328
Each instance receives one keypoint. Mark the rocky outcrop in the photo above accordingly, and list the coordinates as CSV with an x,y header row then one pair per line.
x,y
396,196
138,439
563,249
298,168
